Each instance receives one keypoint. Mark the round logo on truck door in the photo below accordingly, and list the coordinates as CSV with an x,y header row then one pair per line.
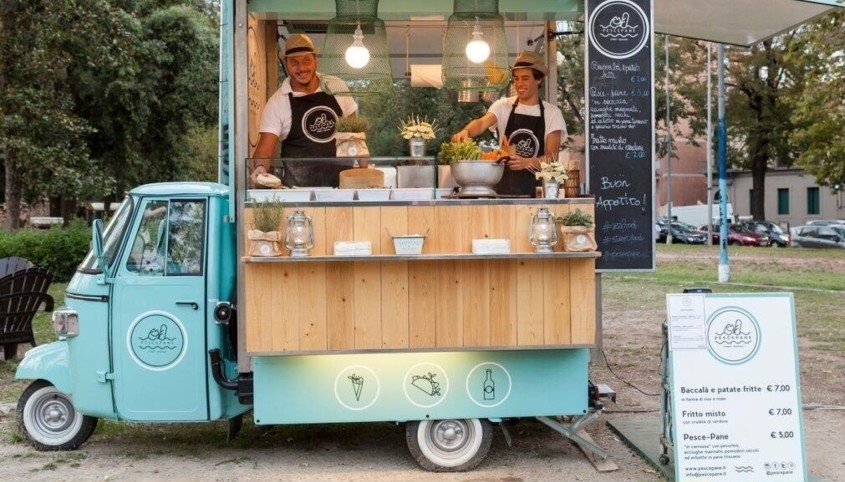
x,y
156,341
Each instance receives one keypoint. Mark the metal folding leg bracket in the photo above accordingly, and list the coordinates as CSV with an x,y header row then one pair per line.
x,y
571,432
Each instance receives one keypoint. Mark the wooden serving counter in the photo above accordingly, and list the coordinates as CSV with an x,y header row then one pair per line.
x,y
445,298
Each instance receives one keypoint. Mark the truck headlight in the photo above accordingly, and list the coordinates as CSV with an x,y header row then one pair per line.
x,y
65,323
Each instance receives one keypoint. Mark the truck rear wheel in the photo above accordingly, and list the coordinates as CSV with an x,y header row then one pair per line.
x,y
48,420
453,445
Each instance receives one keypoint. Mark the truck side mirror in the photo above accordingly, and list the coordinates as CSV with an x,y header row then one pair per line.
x,y
97,243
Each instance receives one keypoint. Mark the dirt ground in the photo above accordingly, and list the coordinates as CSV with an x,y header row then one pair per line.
x,y
378,453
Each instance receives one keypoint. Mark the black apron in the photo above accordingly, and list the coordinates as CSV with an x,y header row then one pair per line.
x,y
312,130
528,135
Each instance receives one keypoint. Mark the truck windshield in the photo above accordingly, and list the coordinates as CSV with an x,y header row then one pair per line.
x,y
111,238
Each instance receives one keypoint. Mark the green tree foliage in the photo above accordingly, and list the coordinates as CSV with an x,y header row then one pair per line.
x,y
819,115
97,96
385,111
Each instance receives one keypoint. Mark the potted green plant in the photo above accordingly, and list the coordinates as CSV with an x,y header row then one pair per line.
x,y
577,231
351,136
267,217
417,131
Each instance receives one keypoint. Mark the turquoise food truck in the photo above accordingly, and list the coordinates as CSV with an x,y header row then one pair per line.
x,y
172,318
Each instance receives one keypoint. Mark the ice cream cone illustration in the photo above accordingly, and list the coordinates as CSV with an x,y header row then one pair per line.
x,y
357,385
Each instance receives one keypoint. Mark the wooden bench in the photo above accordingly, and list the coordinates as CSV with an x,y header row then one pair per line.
x,y
22,295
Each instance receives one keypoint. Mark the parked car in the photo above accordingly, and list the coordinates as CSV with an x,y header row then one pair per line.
x,y
681,233
811,236
737,236
776,234
826,222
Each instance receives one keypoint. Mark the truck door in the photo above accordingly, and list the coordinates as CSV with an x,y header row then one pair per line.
x,y
159,313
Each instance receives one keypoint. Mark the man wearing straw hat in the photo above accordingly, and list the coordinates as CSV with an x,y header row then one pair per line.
x,y
528,127
303,117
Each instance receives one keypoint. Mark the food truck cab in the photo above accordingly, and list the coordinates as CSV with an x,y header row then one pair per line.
x,y
169,318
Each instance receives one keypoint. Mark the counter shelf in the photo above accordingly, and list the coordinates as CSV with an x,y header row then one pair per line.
x,y
417,257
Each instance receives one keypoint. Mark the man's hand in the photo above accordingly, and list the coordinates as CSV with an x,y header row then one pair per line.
x,y
461,136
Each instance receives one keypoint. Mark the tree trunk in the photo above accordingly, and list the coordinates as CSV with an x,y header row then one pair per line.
x,y
760,162
13,185
13,192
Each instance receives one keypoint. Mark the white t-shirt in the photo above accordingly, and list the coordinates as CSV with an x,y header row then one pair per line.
x,y
276,117
551,113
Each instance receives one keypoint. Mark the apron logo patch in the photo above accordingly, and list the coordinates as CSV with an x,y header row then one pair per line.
x,y
525,143
318,124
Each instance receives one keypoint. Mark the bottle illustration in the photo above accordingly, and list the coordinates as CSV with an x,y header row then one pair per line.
x,y
489,386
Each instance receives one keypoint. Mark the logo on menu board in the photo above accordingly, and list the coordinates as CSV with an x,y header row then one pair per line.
x,y
733,335
318,124
619,28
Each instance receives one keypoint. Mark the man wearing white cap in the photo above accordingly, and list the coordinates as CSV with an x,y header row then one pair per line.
x,y
533,128
303,117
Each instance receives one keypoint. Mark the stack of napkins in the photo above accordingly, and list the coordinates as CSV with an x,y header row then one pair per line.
x,y
353,248
491,246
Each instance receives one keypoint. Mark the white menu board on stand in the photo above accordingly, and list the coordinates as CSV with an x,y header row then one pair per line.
x,y
736,397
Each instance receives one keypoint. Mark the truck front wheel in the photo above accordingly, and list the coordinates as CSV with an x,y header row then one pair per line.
x,y
48,420
453,445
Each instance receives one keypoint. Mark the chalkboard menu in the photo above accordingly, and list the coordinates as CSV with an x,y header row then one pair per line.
x,y
620,131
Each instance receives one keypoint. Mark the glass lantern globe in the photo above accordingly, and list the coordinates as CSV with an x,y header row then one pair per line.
x,y
299,234
543,235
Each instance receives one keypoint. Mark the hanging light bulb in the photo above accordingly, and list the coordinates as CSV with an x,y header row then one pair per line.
x,y
357,56
477,49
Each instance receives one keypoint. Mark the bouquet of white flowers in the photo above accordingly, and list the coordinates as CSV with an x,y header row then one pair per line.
x,y
550,171
416,127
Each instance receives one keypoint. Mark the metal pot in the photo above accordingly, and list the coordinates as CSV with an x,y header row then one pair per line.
x,y
477,178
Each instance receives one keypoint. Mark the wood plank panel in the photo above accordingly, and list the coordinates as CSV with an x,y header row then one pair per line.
x,y
367,295
422,303
502,222
503,303
475,297
312,302
529,300
522,228
258,306
394,222
557,324
338,225
340,306
366,226
583,296
285,308
421,220
394,304
475,225
449,309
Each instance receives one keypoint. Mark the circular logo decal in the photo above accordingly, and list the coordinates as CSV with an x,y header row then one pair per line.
x,y
525,143
426,384
733,335
156,341
318,124
619,29
356,387
488,384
